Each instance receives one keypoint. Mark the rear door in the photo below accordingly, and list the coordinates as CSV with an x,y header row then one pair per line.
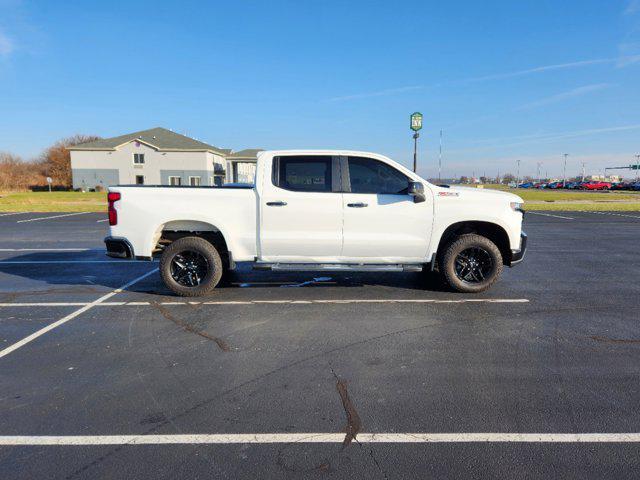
x,y
301,210
382,224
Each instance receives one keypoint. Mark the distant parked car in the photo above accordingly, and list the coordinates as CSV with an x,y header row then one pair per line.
x,y
595,185
539,185
619,186
555,185
634,186
526,185
571,185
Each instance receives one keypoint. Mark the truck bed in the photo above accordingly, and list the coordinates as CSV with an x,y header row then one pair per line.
x,y
145,211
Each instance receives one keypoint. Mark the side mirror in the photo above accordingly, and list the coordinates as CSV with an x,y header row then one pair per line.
x,y
416,190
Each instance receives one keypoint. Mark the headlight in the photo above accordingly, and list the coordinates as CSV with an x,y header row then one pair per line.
x,y
517,206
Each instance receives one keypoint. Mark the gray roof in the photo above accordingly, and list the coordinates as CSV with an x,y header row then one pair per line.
x,y
246,153
158,137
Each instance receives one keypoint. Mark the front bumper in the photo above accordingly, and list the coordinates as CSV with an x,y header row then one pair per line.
x,y
118,247
518,255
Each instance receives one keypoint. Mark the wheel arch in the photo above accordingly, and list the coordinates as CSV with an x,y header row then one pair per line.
x,y
493,231
172,230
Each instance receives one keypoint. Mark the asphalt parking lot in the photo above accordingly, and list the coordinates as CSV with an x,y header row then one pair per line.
x,y
289,375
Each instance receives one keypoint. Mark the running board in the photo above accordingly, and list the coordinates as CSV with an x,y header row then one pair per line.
x,y
337,267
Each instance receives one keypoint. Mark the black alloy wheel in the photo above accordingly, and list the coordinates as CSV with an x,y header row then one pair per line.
x,y
473,265
189,268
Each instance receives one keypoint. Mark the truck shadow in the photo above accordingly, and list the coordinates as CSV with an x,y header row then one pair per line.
x,y
43,273
88,271
244,277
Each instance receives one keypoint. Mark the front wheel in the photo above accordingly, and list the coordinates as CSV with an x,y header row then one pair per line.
x,y
471,263
191,266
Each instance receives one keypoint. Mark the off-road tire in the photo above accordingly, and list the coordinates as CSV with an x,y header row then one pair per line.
x,y
448,258
202,247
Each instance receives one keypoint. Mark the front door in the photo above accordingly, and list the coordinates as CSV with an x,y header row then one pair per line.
x,y
382,224
301,210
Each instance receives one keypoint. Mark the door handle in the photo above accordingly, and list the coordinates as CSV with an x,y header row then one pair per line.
x,y
357,205
276,204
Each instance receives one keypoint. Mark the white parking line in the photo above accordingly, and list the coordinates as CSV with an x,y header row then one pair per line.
x,y
615,214
265,302
44,249
12,213
103,220
549,215
270,438
72,315
123,262
54,216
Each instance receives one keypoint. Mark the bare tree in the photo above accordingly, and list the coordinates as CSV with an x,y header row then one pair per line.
x,y
56,160
16,174
508,178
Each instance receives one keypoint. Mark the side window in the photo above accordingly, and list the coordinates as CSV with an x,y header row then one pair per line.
x,y
309,173
372,176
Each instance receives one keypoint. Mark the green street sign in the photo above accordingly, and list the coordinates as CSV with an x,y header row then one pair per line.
x,y
416,121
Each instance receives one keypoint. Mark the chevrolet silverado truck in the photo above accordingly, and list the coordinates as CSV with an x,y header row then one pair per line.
x,y
318,210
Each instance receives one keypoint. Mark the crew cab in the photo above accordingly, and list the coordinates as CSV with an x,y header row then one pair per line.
x,y
319,210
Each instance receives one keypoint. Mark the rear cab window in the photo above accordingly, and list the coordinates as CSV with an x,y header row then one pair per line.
x,y
304,173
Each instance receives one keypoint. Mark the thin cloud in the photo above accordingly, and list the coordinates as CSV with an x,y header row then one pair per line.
x,y
629,53
6,45
632,8
538,138
560,97
619,61
381,93
545,68
593,131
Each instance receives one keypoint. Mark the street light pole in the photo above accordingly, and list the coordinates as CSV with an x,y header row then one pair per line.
x,y
583,164
637,165
518,173
415,151
539,165
564,171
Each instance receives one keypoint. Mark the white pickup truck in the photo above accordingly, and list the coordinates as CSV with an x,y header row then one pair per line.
x,y
319,210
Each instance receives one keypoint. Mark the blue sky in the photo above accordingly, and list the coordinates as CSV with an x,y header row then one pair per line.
x,y
504,80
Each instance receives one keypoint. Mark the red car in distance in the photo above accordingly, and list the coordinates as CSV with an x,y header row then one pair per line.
x,y
595,185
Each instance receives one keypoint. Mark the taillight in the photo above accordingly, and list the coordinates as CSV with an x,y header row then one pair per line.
x,y
112,198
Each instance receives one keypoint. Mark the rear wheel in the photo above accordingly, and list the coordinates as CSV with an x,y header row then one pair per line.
x,y
191,266
471,263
